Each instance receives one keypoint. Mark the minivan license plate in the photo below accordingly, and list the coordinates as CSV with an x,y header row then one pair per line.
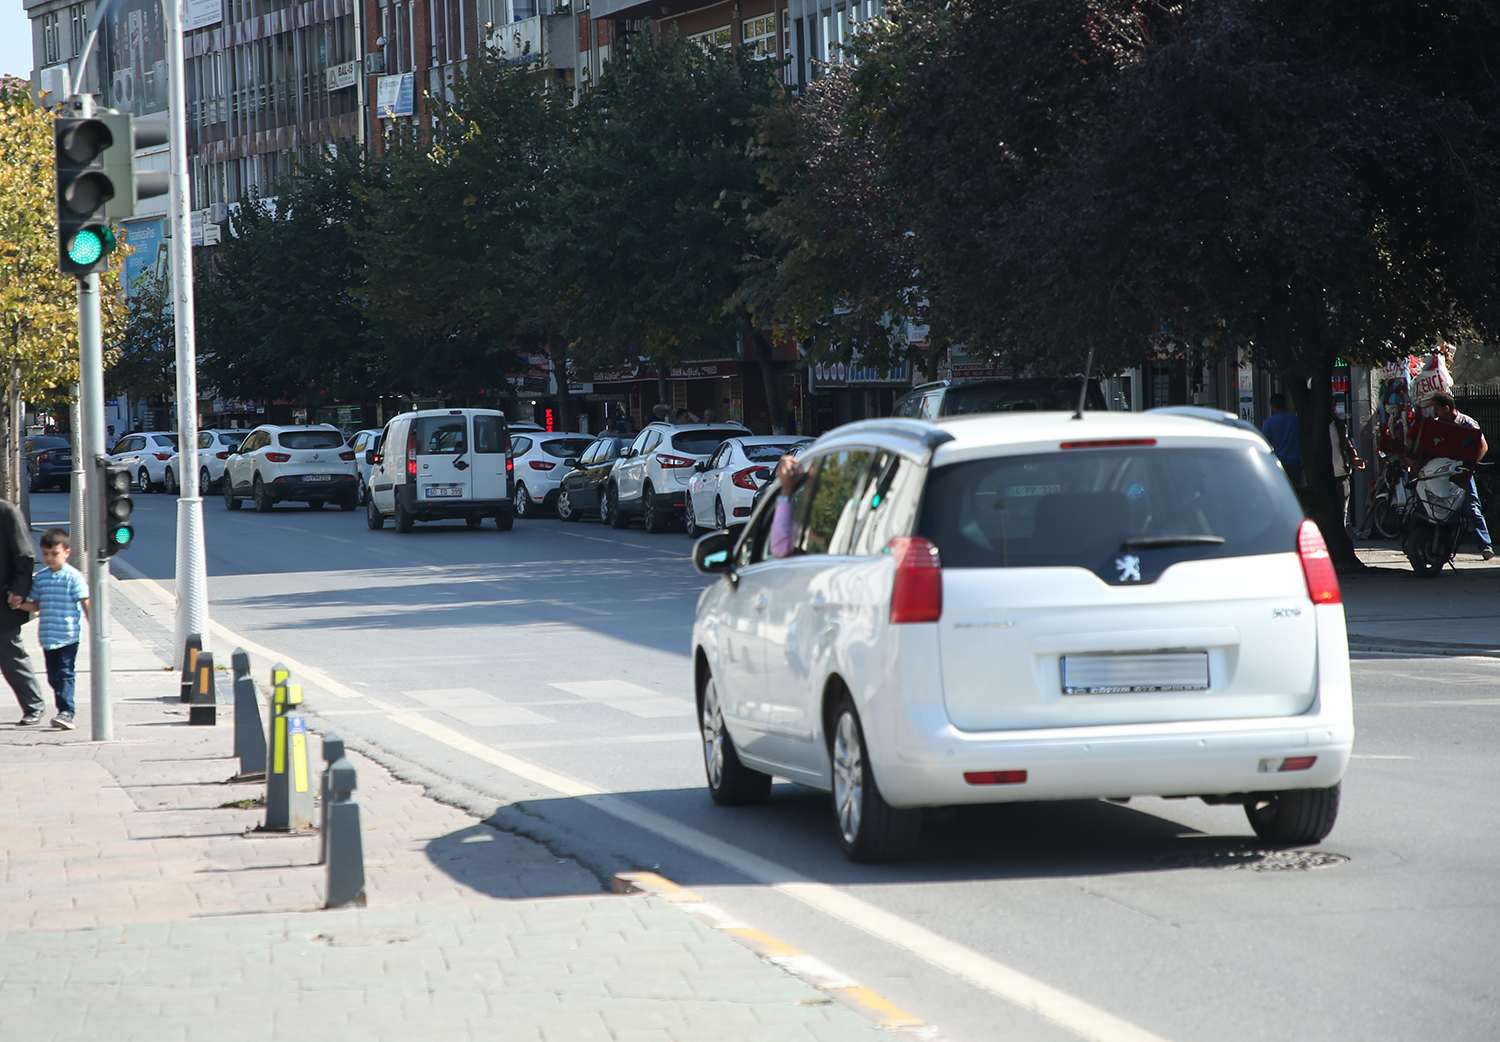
x,y
431,492
1131,674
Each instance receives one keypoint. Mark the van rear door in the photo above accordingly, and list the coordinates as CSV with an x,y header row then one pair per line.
x,y
491,445
444,460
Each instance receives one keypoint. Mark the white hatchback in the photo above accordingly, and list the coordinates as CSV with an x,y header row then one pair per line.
x,y
146,455
539,469
722,490
1029,607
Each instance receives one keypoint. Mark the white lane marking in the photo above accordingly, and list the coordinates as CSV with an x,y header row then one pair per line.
x,y
565,743
980,970
1378,756
599,690
301,671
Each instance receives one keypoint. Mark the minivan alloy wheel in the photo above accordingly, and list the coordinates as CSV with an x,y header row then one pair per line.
x,y
730,782
848,777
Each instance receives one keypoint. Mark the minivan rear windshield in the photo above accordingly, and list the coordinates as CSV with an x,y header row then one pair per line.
x,y
310,439
701,442
564,448
1034,394
1125,514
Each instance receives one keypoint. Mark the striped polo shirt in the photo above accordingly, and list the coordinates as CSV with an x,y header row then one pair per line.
x,y
57,595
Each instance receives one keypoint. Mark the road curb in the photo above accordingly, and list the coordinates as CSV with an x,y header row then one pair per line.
x,y
1421,647
809,969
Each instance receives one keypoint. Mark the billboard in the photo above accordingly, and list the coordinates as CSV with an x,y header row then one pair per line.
x,y
149,257
136,58
196,14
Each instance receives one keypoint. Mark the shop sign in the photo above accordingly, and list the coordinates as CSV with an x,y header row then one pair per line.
x,y
840,374
393,95
341,76
701,370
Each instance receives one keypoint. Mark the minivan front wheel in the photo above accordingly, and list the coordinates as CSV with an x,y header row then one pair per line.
x,y
730,783
1294,818
870,830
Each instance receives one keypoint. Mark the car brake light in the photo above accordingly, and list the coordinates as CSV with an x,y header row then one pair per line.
x,y
674,462
917,594
45,457
347,457
278,457
541,464
1317,566
510,464
411,452
747,478
1110,443
162,455
222,455
1290,763
995,777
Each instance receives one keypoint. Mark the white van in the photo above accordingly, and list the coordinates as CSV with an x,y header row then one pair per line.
x,y
437,464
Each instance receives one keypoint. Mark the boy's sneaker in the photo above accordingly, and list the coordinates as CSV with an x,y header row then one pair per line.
x,y
1486,554
63,721
29,720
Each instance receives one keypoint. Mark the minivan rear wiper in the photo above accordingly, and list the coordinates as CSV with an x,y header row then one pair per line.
x,y
1161,542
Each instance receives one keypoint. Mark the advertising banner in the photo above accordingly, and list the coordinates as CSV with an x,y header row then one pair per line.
x,y
198,14
136,58
393,95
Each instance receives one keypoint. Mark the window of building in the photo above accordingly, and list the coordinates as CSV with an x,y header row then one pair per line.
x,y
51,39
720,37
78,25
760,36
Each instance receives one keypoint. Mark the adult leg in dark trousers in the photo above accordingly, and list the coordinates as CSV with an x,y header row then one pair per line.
x,y
15,664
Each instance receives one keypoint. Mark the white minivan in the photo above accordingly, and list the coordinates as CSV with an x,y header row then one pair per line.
x,y
440,464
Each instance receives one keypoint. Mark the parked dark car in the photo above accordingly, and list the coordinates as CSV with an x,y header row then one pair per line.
x,y
49,462
1028,394
583,488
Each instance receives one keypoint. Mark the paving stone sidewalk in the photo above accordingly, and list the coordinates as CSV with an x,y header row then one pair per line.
x,y
133,906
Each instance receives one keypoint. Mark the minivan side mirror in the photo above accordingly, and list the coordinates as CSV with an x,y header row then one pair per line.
x,y
711,553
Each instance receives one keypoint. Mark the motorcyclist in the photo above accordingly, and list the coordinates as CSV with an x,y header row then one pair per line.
x,y
1446,409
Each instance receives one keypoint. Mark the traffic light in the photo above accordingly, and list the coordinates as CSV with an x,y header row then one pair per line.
x,y
116,531
84,239
97,182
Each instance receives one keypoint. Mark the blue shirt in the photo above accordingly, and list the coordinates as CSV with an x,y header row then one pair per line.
x,y
1285,436
57,595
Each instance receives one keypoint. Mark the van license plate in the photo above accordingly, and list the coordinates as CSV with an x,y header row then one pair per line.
x,y
1131,674
317,477
434,492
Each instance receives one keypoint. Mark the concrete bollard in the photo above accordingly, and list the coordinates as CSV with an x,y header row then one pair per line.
x,y
333,751
190,651
289,796
345,842
204,709
249,731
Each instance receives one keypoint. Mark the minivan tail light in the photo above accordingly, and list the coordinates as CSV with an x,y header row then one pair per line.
x,y
411,452
347,457
917,594
274,457
995,777
1317,566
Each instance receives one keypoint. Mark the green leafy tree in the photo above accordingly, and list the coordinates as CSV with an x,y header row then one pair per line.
x,y
146,356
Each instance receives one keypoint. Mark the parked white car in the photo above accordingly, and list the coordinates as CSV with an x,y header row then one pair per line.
x,y
362,443
307,464
722,490
214,447
1029,607
146,455
539,467
651,476
437,464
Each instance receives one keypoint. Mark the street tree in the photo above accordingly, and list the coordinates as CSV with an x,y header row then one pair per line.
x,y
145,360
38,304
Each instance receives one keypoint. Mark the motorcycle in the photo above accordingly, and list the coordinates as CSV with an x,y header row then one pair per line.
x,y
1435,514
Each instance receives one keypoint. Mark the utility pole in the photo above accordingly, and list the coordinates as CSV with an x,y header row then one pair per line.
x,y
78,537
192,566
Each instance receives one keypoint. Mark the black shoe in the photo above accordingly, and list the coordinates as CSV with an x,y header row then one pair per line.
x,y
30,720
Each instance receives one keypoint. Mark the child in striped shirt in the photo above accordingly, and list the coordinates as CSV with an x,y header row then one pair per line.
x,y
60,594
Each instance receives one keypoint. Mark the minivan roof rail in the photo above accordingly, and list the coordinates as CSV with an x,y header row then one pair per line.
x,y
928,435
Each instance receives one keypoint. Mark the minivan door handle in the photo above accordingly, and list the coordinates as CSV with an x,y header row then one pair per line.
x,y
759,602
459,464
818,602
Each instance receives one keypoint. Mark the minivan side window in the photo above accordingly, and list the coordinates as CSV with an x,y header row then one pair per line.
x,y
887,505
489,435
828,516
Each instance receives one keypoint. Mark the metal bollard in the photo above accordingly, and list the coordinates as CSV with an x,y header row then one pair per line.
x,y
190,651
205,705
249,732
289,797
346,857
333,751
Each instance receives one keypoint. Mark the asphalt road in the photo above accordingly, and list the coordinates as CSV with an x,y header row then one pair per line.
x,y
565,647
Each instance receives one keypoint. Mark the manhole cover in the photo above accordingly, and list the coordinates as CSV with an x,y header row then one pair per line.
x,y
367,938
1255,860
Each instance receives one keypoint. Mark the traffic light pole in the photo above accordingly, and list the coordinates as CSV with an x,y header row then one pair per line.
x,y
192,566
91,408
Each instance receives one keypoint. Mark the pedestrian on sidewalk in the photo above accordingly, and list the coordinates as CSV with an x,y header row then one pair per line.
x,y
61,596
17,561
1285,435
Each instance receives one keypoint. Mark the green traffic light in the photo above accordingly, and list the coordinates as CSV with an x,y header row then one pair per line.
x,y
86,248
123,535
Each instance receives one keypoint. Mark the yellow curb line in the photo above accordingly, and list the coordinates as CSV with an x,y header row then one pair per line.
x,y
868,1004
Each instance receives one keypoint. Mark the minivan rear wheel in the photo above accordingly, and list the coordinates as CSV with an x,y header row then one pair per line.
x,y
1294,818
870,830
730,783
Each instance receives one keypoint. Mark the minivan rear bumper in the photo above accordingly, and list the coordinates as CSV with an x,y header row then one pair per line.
x,y
1197,759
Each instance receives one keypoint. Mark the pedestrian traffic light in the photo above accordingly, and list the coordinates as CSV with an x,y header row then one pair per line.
x,y
116,532
97,182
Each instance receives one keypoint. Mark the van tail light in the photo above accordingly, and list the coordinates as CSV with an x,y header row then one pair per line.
x,y
749,478
917,595
541,464
510,466
411,452
1317,566
274,457
674,462
347,457
167,455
